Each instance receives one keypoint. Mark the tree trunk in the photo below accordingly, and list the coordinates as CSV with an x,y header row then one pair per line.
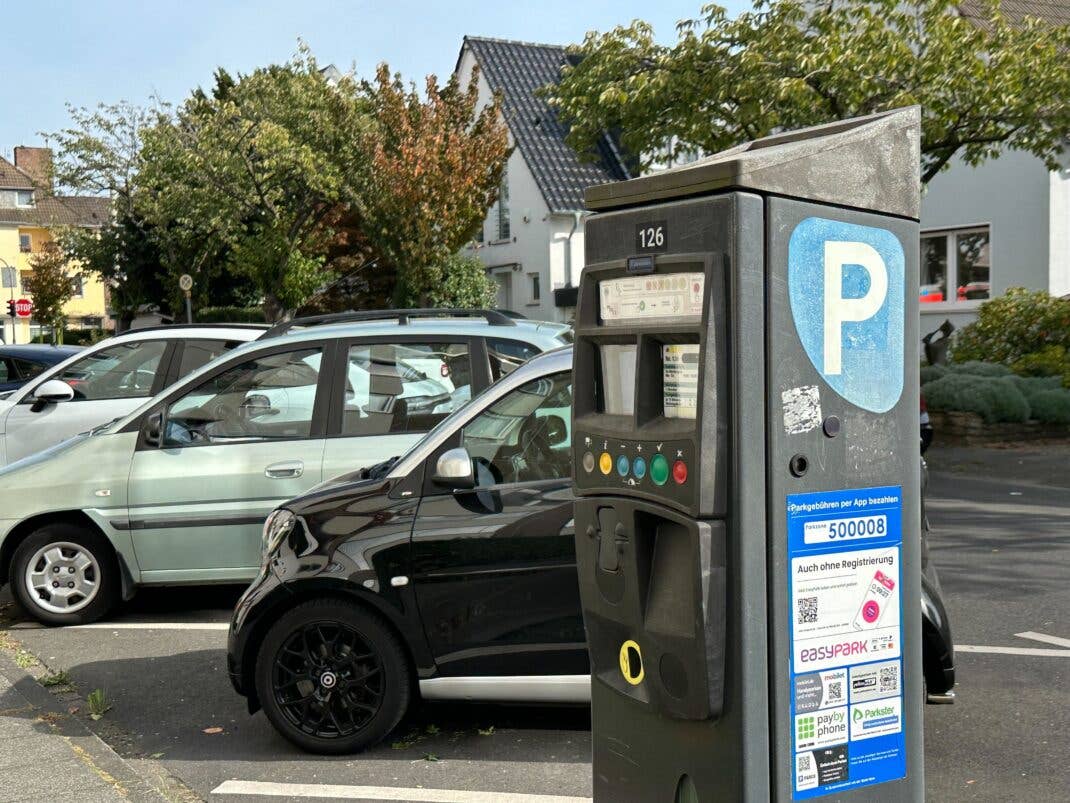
x,y
274,310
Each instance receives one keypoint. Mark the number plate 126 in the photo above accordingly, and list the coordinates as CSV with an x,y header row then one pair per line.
x,y
652,237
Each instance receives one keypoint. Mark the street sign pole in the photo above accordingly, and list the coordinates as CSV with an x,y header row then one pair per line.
x,y
185,281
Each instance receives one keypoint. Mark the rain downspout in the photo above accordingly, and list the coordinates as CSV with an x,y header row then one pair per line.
x,y
576,217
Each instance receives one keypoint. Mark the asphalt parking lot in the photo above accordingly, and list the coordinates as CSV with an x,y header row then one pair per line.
x,y
1001,542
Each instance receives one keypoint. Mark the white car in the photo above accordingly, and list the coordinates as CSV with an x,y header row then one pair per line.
x,y
108,381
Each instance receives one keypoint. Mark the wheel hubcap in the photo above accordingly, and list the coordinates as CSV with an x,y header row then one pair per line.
x,y
327,679
62,577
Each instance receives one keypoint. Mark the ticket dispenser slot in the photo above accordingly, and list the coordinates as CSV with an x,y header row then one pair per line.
x,y
659,612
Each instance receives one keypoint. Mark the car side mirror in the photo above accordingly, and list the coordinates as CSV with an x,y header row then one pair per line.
x,y
51,392
152,430
556,431
255,404
454,469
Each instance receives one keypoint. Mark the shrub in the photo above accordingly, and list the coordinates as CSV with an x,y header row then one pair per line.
x,y
229,315
930,373
1017,323
1030,386
1052,406
1051,361
978,368
995,399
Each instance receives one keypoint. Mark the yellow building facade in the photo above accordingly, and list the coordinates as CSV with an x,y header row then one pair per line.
x,y
29,215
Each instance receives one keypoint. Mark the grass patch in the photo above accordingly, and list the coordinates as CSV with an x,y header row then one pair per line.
x,y
98,704
61,678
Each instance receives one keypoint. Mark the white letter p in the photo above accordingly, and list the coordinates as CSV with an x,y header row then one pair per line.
x,y
838,309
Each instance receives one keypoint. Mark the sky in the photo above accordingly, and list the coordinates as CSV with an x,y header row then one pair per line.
x,y
85,53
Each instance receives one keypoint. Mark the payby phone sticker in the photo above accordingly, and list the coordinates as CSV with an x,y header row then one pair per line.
x,y
844,551
679,373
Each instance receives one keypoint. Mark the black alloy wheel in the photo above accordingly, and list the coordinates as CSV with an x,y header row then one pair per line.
x,y
332,677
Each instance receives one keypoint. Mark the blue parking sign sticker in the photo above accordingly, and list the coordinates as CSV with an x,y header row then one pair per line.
x,y
846,674
846,286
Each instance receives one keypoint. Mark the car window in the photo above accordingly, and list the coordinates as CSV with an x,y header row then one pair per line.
x,y
198,353
525,435
265,398
404,387
26,369
6,372
508,355
123,371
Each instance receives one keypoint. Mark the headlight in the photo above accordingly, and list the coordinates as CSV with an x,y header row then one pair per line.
x,y
276,528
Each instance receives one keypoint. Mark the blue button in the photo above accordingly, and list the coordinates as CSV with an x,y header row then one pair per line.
x,y
623,465
639,467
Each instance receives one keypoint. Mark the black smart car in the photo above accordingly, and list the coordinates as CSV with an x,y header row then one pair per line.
x,y
448,573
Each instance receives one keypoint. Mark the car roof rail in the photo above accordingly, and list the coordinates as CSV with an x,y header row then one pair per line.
x,y
170,327
402,316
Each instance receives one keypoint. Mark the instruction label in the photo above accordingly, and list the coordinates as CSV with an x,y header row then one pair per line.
x,y
844,550
660,295
679,373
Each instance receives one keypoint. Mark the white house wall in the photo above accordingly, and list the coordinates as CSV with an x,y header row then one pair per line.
x,y
1059,232
533,245
1010,194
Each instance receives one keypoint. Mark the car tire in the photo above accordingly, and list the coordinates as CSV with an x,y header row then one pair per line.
x,y
82,582
332,677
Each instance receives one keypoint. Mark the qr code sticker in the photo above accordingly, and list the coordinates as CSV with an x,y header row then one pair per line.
x,y
889,678
835,691
807,610
805,761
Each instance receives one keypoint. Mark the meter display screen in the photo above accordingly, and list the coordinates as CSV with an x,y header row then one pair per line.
x,y
679,374
618,378
651,297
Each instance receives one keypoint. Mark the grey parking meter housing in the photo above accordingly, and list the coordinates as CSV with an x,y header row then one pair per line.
x,y
730,416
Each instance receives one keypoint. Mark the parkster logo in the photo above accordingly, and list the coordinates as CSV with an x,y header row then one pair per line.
x,y
846,288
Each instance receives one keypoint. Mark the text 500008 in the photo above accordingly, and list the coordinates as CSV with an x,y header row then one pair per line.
x,y
826,530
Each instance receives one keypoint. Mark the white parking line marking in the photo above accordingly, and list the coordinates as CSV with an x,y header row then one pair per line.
x,y
1056,640
341,792
1028,634
151,626
1013,650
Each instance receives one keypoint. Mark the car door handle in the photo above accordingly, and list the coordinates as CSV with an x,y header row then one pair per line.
x,y
284,470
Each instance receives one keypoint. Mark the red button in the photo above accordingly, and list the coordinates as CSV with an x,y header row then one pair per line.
x,y
679,472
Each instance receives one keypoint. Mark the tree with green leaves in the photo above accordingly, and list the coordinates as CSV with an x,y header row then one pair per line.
x,y
984,83
437,163
252,170
51,285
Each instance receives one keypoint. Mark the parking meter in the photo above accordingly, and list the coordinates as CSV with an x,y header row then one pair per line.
x,y
746,466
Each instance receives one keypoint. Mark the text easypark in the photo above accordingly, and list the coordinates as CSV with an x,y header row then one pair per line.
x,y
844,648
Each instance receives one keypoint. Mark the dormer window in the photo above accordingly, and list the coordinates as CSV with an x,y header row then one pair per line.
x,y
16,199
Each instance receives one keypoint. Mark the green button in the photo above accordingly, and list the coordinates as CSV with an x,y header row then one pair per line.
x,y
659,469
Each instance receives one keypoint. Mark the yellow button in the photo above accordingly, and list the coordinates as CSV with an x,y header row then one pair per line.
x,y
631,663
605,463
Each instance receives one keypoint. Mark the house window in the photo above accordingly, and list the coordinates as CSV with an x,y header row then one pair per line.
x,y
536,294
503,208
76,287
24,279
24,198
956,265
25,243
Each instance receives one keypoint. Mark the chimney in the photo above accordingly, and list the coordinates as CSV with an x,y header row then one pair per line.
x,y
36,163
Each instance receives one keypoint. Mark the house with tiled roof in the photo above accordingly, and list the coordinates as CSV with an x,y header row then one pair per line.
x,y
30,213
1005,223
532,239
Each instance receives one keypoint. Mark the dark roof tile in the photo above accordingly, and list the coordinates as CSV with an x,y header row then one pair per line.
x,y
516,70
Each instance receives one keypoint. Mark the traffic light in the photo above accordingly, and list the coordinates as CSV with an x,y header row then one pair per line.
x,y
11,307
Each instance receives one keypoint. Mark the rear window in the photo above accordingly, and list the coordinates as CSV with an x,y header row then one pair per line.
x,y
508,355
198,353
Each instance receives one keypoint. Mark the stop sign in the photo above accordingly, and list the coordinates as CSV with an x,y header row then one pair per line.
x,y
23,308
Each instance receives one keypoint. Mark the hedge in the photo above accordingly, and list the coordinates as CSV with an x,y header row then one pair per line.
x,y
1051,406
994,399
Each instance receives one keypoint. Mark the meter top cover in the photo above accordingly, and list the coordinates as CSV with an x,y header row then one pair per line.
x,y
867,163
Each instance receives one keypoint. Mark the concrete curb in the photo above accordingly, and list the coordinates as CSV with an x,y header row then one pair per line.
x,y
148,781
